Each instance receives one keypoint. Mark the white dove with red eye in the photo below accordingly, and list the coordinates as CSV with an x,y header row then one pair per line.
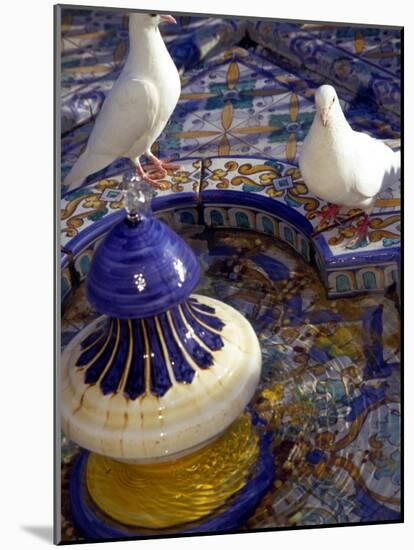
x,y
342,166
137,108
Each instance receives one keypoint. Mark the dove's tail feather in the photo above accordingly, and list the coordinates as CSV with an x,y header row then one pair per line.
x,y
397,164
87,164
392,173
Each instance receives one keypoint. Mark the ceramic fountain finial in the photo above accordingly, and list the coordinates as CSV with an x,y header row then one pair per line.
x,y
162,371
138,196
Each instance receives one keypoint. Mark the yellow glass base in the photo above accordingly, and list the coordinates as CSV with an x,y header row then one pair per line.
x,y
157,496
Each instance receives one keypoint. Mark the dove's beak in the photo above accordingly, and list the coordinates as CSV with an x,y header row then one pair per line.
x,y
168,19
324,116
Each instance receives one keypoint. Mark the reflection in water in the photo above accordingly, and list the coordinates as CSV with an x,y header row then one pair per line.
x,y
179,491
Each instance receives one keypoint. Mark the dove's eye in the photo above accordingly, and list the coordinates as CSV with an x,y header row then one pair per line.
x,y
153,14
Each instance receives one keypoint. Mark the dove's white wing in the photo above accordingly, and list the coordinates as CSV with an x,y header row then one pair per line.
x,y
377,166
128,112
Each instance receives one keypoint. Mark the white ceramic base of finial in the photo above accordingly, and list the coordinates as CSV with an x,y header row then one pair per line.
x,y
150,428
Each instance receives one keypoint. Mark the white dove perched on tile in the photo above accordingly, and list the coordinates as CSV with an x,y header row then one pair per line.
x,y
345,167
138,107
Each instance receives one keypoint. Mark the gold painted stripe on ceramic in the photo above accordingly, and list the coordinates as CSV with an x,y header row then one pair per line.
x,y
88,69
195,134
93,343
233,75
127,367
198,95
83,36
114,352
158,496
381,203
291,147
256,130
224,146
180,344
359,42
294,107
100,352
216,331
195,305
147,358
165,351
193,333
227,115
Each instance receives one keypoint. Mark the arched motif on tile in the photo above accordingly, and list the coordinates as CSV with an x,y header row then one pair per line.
x,y
184,216
391,275
65,286
288,234
216,218
370,278
187,217
84,264
242,218
341,282
83,261
266,224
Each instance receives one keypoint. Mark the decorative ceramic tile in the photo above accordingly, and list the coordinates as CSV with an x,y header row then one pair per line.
x,y
94,46
296,214
238,103
383,230
65,281
354,68
380,47
235,108
267,178
82,207
264,186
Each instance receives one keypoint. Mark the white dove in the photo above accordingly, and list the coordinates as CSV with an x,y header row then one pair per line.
x,y
345,167
137,108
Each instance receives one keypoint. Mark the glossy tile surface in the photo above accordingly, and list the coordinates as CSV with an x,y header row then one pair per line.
x,y
263,194
247,87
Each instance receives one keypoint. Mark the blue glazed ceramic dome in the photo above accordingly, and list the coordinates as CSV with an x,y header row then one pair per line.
x,y
141,269
162,371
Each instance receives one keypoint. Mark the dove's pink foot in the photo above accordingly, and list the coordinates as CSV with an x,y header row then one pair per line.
x,y
162,166
328,217
330,214
142,174
361,237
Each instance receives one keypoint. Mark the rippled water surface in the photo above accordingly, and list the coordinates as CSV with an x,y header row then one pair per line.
x,y
330,387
